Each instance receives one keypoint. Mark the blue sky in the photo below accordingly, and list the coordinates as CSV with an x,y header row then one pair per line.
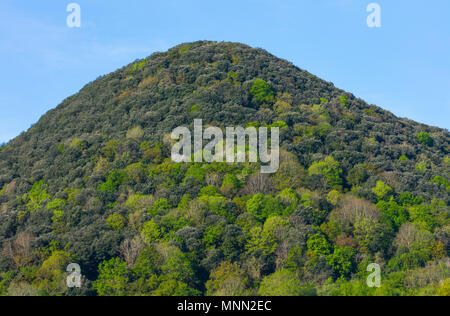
x,y
404,66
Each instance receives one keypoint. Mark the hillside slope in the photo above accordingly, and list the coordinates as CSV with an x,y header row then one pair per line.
x,y
92,182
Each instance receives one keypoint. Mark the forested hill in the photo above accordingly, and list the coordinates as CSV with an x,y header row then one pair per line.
x,y
93,183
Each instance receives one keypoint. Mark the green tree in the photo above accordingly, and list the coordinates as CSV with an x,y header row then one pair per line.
x,y
116,222
113,279
262,92
261,242
151,232
382,191
425,139
284,283
342,260
228,280
330,169
319,245
264,206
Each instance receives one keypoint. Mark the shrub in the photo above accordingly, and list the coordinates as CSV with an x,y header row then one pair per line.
x,y
425,139
262,92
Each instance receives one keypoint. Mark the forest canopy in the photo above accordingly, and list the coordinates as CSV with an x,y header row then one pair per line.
x,y
92,183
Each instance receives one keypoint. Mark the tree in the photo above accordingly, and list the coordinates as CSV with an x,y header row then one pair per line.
x,y
290,200
262,92
393,214
425,139
116,222
151,232
261,242
284,283
113,278
330,169
382,191
319,245
228,280
372,236
135,133
264,206
230,185
342,260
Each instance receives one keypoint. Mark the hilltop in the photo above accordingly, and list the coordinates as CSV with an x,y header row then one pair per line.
x,y
92,182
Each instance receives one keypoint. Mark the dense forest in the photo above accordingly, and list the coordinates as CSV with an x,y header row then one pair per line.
x,y
93,183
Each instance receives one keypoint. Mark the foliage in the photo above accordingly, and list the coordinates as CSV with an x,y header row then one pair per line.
x,y
262,92
93,182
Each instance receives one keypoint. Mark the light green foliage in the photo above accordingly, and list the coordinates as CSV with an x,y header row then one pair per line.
x,y
135,133
184,49
371,235
109,151
442,181
230,184
116,222
139,202
113,278
93,183
2,191
184,202
264,206
135,173
426,215
279,124
277,227
408,199
161,206
212,235
209,191
57,216
281,107
72,195
137,66
262,92
329,168
382,191
290,201
319,245
37,196
333,197
261,242
195,173
423,165
51,276
194,109
56,204
425,139
178,266
114,180
78,144
284,283
228,280
343,100
307,200
217,204
151,232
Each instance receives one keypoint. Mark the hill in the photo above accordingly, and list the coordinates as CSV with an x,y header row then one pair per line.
x,y
92,182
